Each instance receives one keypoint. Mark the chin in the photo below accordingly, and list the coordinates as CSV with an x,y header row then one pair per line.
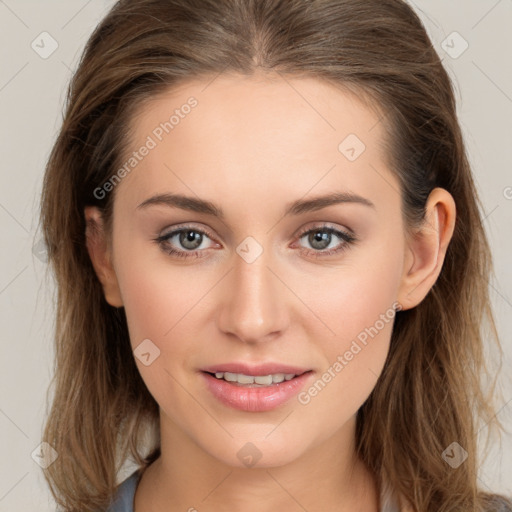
x,y
258,452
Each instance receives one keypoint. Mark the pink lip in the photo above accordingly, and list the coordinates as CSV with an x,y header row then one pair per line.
x,y
255,399
258,369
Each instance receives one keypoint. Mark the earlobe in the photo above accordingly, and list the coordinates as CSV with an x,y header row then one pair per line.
x,y
426,249
100,254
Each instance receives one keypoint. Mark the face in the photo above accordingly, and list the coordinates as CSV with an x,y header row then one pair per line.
x,y
262,278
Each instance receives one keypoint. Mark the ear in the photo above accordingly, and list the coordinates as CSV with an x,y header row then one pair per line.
x,y
101,255
426,249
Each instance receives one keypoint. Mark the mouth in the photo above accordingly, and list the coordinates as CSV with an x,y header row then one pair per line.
x,y
255,389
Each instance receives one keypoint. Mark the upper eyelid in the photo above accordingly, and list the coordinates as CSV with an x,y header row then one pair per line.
x,y
175,230
325,226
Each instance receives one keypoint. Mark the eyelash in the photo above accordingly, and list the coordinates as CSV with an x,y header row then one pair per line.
x,y
347,238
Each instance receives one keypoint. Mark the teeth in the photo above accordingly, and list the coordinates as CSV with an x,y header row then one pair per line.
x,y
264,380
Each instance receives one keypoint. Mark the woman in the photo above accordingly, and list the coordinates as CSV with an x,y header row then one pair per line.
x,y
271,265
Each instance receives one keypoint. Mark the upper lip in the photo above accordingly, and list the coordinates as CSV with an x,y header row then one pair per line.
x,y
255,369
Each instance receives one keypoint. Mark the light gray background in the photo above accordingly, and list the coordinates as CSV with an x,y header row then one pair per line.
x,y
32,93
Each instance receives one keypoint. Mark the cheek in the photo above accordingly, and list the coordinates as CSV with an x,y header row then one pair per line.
x,y
358,304
159,302
157,294
165,303
354,296
147,299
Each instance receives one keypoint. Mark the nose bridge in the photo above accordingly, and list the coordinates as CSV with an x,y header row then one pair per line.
x,y
253,306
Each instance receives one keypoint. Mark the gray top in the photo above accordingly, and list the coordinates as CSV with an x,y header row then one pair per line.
x,y
123,500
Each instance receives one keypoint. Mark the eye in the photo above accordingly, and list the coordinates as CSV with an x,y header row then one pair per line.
x,y
188,240
323,240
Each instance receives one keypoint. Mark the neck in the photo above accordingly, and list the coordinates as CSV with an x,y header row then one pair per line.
x,y
327,476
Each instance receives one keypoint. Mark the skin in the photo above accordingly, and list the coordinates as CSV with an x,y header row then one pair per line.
x,y
251,146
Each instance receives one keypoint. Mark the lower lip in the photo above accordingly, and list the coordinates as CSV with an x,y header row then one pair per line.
x,y
255,399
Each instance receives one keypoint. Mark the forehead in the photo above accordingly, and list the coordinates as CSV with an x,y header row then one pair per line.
x,y
244,134
269,101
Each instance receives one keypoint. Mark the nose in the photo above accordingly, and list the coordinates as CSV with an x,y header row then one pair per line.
x,y
253,302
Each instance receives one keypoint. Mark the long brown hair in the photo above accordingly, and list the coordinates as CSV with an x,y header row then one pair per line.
x,y
431,391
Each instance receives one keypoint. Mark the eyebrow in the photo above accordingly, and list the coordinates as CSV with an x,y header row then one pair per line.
x,y
297,207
